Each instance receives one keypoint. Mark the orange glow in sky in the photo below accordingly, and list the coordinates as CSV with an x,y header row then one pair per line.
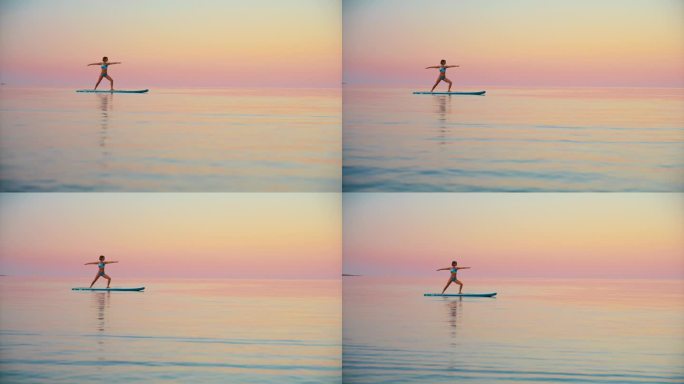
x,y
208,43
249,235
517,43
617,235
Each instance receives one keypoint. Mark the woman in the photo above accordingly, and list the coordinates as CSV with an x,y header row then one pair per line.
x,y
101,270
442,74
104,64
454,269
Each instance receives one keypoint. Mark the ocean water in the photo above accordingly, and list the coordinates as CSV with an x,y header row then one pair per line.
x,y
564,331
200,140
186,331
578,139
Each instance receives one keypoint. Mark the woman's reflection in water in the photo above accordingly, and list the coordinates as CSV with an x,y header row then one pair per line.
x,y
443,109
106,100
101,304
105,104
454,307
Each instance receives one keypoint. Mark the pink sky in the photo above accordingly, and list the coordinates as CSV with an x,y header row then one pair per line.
x,y
616,235
253,235
207,43
515,43
213,43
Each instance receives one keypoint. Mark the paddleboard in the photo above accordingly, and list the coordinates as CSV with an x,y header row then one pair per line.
x,y
461,294
114,91
138,289
478,93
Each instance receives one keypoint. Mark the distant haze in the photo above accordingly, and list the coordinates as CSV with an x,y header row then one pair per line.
x,y
515,43
249,235
209,43
610,235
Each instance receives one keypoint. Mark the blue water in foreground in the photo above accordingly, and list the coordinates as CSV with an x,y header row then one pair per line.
x,y
199,140
551,331
186,331
515,140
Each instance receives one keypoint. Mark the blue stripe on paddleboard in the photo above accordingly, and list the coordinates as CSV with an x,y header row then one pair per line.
x,y
461,294
109,289
478,93
114,91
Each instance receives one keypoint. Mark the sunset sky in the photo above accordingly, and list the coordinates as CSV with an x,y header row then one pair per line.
x,y
172,42
172,235
515,43
216,43
515,235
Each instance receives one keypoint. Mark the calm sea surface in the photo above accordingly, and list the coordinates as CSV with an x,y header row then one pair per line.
x,y
243,331
578,331
170,140
600,139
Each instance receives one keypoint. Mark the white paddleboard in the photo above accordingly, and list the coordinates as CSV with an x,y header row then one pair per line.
x,y
114,91
478,93
461,294
137,289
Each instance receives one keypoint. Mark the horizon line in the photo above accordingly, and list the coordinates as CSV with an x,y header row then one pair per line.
x,y
180,277
347,84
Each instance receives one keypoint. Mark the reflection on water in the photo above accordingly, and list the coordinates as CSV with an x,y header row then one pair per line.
x,y
106,101
242,331
454,306
101,300
443,109
594,139
101,303
171,140
587,331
